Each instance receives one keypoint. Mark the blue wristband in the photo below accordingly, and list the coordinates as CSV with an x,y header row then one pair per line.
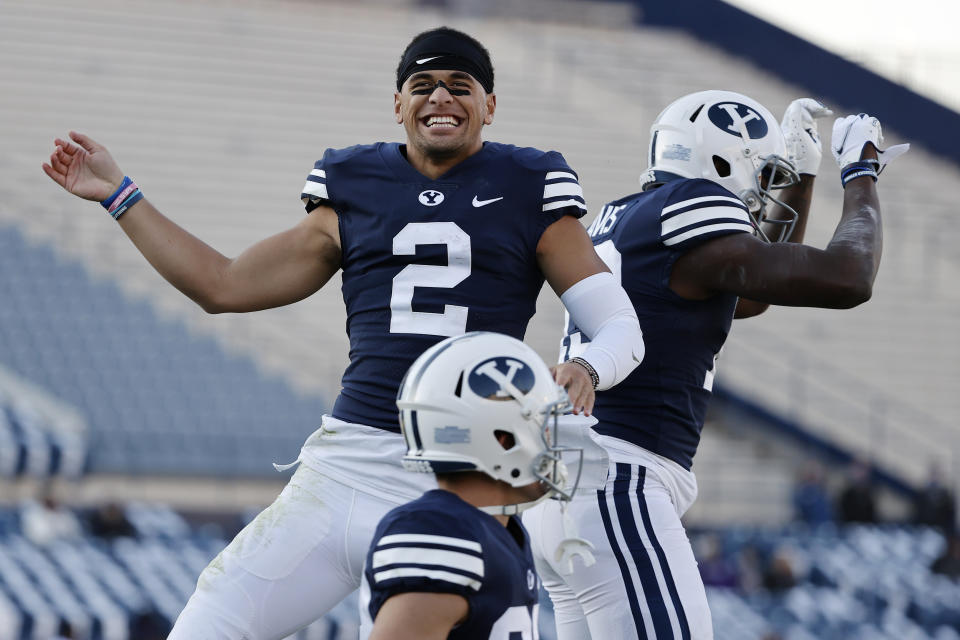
x,y
131,200
123,185
854,170
126,195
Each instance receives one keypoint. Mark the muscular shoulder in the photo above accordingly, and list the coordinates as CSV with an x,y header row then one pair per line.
x,y
533,159
356,153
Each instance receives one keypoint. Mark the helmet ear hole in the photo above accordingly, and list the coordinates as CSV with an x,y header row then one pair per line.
x,y
505,438
722,166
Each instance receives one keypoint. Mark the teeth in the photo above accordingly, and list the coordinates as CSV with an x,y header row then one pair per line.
x,y
442,121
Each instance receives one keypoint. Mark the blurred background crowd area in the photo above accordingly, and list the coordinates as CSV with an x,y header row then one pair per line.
x,y
137,433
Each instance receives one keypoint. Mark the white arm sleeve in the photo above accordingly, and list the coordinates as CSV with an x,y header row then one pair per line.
x,y
602,311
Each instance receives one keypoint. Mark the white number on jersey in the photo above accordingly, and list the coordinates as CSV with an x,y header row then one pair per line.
x,y
453,320
516,623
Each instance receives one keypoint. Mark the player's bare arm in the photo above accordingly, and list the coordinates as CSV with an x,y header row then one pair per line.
x,y
804,151
419,616
840,276
798,198
279,270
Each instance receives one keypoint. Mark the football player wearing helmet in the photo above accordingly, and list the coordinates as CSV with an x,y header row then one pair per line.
x,y
479,411
714,232
436,237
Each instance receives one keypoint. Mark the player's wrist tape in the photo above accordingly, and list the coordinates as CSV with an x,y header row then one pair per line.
x,y
126,195
594,377
854,170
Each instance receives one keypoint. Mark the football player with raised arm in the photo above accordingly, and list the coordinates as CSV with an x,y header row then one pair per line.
x,y
695,247
435,237
479,411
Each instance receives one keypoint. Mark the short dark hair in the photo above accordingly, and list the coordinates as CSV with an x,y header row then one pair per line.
x,y
447,31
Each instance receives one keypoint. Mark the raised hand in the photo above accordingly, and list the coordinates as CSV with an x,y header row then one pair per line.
x,y
852,134
84,168
799,126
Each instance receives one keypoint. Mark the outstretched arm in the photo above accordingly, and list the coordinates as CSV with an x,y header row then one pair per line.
x,y
840,276
279,270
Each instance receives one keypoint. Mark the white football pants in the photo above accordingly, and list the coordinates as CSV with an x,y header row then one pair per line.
x,y
304,553
645,583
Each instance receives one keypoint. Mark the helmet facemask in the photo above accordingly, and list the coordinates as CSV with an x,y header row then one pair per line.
x,y
773,174
549,467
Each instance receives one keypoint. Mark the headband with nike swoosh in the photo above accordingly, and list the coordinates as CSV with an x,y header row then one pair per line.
x,y
448,52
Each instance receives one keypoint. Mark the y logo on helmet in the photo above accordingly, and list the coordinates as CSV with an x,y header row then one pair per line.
x,y
738,119
430,198
490,378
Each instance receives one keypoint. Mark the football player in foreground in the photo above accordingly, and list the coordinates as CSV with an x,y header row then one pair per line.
x,y
698,237
436,237
479,411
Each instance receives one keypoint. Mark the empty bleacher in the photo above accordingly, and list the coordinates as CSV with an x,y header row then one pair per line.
x,y
158,399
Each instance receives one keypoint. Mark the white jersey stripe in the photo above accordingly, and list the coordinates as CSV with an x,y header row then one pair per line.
x,y
727,226
695,216
416,555
693,201
316,189
555,175
418,572
549,206
319,173
562,189
422,538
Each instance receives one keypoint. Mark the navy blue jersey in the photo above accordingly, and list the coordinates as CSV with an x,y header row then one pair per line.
x,y
441,544
428,259
661,405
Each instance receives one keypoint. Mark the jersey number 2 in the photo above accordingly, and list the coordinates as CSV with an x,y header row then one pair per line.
x,y
453,320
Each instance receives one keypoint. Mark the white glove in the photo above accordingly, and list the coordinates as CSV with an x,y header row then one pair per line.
x,y
799,128
851,135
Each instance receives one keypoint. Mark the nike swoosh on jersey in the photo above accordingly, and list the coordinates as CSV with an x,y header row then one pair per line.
x,y
483,203
426,60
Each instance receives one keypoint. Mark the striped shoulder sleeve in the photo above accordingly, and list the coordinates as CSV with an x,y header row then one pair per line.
x,y
562,193
314,191
699,210
426,552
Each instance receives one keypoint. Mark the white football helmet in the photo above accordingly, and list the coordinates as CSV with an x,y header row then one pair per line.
x,y
730,139
461,392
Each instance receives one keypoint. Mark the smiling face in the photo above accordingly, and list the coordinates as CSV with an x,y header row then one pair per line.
x,y
443,113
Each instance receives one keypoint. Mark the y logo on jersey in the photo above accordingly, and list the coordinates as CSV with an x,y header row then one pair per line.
x,y
430,198
501,378
738,120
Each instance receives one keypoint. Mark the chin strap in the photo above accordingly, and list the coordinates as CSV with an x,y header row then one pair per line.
x,y
572,544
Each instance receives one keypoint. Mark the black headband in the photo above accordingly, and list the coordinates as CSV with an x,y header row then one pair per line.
x,y
445,51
